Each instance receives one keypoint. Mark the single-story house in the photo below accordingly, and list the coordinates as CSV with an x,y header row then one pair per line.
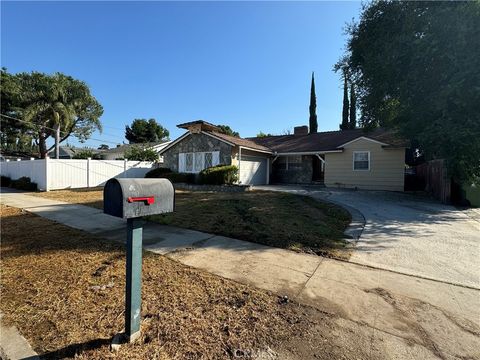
x,y
349,158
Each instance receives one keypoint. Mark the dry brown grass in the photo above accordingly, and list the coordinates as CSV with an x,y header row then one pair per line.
x,y
282,220
50,278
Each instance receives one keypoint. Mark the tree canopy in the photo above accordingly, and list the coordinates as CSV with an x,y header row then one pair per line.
x,y
225,129
42,103
416,69
262,134
139,153
144,131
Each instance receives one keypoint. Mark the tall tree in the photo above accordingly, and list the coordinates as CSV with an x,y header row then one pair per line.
x,y
144,131
227,130
313,108
352,124
345,123
55,105
416,69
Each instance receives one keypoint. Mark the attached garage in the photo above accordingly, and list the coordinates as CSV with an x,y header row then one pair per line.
x,y
253,170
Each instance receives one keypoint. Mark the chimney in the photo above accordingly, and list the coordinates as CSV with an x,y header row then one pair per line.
x,y
300,130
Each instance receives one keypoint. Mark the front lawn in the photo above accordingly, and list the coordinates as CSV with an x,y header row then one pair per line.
x,y
64,290
282,220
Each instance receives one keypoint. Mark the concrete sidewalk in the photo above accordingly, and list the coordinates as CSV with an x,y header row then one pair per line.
x,y
404,317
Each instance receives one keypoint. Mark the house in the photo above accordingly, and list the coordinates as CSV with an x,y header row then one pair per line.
x,y
349,158
69,152
119,151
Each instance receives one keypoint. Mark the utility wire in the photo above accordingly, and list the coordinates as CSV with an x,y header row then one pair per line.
x,y
64,132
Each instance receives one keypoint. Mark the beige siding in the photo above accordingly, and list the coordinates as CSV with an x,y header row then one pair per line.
x,y
386,168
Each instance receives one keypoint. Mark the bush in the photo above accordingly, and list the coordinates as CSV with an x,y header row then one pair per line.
x,y
5,181
174,177
155,173
24,183
138,153
180,177
219,175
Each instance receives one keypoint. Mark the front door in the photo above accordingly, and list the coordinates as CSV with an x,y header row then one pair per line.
x,y
318,169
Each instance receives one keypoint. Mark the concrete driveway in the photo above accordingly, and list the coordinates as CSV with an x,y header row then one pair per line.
x,y
409,234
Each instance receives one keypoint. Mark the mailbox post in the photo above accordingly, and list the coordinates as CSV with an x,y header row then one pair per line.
x,y
131,199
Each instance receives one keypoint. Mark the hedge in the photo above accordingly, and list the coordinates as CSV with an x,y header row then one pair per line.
x,y
219,175
5,181
174,177
24,183
155,173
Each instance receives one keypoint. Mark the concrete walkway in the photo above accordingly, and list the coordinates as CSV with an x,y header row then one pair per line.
x,y
404,317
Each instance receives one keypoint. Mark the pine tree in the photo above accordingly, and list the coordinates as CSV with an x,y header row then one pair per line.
x,y
353,108
313,108
345,124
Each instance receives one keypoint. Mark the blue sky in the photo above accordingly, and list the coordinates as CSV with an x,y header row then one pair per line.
x,y
247,65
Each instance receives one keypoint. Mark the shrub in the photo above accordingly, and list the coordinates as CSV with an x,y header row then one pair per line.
x,y
155,173
219,175
84,154
138,153
180,177
24,183
5,181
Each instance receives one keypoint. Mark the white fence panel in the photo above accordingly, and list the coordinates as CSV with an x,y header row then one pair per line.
x,y
34,169
72,173
102,170
68,173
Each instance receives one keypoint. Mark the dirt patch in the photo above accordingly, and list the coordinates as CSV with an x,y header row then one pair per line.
x,y
64,290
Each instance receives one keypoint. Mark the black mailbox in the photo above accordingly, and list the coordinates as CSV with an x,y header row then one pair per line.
x,y
132,198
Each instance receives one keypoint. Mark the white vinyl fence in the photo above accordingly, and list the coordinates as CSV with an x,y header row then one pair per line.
x,y
53,174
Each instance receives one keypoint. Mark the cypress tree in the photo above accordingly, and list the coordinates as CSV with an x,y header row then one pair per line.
x,y
313,108
353,108
345,124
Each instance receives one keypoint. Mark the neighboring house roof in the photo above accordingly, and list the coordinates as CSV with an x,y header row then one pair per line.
x,y
122,148
326,141
68,152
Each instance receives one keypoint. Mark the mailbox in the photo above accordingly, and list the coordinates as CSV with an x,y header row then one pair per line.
x,y
132,198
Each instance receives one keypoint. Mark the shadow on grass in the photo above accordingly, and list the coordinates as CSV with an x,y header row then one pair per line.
x,y
73,350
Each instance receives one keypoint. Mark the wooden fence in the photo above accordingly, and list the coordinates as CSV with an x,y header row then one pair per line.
x,y
437,181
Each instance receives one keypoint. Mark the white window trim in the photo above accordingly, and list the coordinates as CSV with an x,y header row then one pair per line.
x,y
194,154
353,160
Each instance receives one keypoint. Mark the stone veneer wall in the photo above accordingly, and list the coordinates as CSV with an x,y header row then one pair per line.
x,y
196,143
301,175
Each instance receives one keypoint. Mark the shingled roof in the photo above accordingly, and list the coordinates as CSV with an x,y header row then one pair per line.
x,y
248,143
325,141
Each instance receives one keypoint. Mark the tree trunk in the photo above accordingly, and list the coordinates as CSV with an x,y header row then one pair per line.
x,y
57,141
42,145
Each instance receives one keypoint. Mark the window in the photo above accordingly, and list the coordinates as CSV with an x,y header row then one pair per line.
x,y
361,160
189,162
289,162
294,162
196,162
208,160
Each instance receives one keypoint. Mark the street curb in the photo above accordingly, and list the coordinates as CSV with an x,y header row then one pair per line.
x,y
13,345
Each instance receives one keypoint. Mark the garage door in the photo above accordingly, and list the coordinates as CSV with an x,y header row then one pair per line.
x,y
253,170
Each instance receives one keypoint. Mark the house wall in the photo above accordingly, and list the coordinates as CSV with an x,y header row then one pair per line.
x,y
386,172
301,175
196,143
